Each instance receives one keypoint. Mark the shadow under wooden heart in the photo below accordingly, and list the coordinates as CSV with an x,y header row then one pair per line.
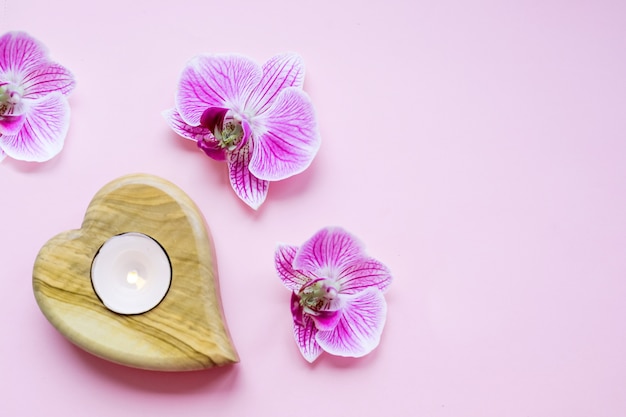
x,y
187,330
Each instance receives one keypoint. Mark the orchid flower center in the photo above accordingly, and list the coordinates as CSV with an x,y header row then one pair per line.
x,y
230,134
10,96
318,295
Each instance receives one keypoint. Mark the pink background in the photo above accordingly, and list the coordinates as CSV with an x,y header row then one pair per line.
x,y
477,148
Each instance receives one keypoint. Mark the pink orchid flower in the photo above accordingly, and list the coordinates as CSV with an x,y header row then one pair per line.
x,y
337,298
34,112
256,118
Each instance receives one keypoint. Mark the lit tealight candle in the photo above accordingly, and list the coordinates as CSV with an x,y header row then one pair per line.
x,y
131,273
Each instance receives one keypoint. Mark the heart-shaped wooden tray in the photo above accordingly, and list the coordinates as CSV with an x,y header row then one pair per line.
x,y
187,330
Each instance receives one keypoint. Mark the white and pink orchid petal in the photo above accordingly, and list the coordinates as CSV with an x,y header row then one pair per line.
x,y
306,340
249,188
10,124
363,273
328,252
358,331
215,81
290,137
47,78
283,259
279,72
178,125
43,133
19,52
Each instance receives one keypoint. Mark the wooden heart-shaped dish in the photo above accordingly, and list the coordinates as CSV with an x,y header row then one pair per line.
x,y
187,329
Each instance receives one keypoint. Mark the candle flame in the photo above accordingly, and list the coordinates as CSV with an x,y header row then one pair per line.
x,y
133,278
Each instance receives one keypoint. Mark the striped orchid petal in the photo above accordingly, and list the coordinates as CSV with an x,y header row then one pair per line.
x,y
19,52
366,272
330,250
305,336
289,137
358,331
279,72
283,259
249,188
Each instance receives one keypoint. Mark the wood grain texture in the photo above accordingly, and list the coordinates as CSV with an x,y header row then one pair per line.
x,y
187,330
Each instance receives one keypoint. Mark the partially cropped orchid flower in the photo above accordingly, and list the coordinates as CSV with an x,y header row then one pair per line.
x,y
34,112
256,118
337,298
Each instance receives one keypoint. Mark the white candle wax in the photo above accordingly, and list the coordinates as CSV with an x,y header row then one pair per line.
x,y
131,273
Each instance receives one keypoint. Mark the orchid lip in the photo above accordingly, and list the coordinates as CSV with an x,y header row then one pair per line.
x,y
227,128
213,117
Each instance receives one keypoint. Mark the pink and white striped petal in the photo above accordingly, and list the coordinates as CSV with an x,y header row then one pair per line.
x,y
283,260
215,81
289,140
19,52
305,336
47,78
249,188
328,252
43,133
362,274
358,331
178,125
279,72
